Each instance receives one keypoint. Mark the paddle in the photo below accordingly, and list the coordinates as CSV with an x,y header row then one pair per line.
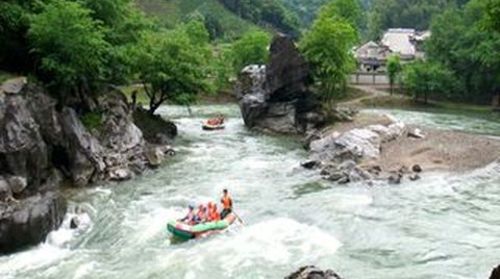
x,y
239,219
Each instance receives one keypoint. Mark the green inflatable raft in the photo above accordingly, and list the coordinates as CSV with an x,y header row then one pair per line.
x,y
186,232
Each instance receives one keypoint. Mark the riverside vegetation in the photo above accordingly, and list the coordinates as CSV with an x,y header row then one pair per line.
x,y
73,70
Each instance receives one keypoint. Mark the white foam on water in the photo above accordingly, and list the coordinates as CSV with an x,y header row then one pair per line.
x,y
154,223
85,269
275,242
43,255
348,201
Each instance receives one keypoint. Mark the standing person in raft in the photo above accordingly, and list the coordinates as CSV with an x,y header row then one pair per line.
x,y
227,204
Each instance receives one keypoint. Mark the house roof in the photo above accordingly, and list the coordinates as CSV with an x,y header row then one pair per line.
x,y
371,50
399,41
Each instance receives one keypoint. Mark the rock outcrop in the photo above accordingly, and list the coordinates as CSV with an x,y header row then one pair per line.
x,y
276,97
42,144
340,155
156,130
312,272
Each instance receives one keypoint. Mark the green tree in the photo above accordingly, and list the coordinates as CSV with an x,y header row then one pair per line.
x,y
349,10
252,48
266,12
70,46
327,48
460,43
171,67
428,79
492,19
416,14
393,69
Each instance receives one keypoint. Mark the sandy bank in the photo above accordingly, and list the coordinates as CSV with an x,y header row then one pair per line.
x,y
443,150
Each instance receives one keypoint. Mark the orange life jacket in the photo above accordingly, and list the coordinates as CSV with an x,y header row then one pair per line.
x,y
214,216
227,203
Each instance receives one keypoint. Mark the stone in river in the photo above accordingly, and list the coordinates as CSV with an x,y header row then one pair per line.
x,y
495,274
276,98
312,272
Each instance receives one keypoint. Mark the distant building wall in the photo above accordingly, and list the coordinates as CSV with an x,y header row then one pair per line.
x,y
369,78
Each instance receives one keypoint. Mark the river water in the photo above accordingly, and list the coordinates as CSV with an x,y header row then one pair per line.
x,y
444,226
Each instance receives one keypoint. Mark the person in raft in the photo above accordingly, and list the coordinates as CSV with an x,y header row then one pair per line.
x,y
218,120
201,215
227,204
190,217
213,214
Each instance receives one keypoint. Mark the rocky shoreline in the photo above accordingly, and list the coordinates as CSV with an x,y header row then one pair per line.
x,y
384,149
43,144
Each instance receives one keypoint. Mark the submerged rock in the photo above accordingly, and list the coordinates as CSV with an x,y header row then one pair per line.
x,y
275,97
312,272
155,156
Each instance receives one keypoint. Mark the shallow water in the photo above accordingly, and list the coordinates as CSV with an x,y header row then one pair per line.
x,y
444,226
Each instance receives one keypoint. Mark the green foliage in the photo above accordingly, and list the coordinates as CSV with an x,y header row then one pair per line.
x,y
405,14
428,79
170,64
327,47
265,12
492,19
14,23
350,10
307,10
219,21
222,69
393,69
92,120
460,43
70,45
252,48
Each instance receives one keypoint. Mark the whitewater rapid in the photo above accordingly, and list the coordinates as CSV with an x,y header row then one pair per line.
x,y
444,226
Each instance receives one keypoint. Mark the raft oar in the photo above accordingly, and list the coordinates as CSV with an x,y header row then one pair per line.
x,y
239,219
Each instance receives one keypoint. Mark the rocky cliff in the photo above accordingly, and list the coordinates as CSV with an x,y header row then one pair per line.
x,y
42,144
276,97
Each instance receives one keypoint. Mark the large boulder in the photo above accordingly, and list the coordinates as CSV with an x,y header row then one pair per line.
x,y
495,274
276,97
84,150
312,272
43,110
28,221
22,149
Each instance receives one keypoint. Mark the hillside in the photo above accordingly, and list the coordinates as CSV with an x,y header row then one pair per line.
x,y
225,19
220,21
306,10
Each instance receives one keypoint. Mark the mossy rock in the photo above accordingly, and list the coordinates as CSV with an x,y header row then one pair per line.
x,y
155,129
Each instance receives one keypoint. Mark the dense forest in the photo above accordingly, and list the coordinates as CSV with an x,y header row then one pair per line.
x,y
80,47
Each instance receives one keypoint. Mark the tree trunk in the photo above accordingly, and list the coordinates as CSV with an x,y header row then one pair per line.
x,y
391,84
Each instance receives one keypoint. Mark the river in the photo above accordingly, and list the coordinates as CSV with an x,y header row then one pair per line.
x,y
444,226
